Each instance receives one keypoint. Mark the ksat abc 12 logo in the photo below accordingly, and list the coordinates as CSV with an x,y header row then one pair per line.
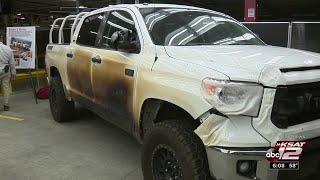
x,y
285,154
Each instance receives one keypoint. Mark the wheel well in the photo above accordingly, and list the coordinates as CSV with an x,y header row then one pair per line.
x,y
54,72
155,111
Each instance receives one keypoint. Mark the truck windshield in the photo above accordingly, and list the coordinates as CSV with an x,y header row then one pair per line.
x,y
185,27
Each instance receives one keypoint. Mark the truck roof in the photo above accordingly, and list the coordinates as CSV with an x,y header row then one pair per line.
x,y
155,5
129,6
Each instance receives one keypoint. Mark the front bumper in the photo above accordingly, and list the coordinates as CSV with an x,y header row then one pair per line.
x,y
223,163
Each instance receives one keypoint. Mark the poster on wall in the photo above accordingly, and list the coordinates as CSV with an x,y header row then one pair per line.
x,y
22,42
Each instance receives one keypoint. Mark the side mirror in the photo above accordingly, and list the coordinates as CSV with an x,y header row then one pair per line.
x,y
125,40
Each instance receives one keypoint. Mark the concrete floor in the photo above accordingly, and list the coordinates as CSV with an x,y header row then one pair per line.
x,y
38,148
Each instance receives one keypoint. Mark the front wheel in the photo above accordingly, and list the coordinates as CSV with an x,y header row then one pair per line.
x,y
62,110
172,151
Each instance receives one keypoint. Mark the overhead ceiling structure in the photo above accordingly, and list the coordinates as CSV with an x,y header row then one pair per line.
x,y
56,7
286,10
268,10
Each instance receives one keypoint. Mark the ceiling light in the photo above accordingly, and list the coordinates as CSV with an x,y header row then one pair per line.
x,y
22,18
19,14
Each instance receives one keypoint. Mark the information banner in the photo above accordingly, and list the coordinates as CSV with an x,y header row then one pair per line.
x,y
22,42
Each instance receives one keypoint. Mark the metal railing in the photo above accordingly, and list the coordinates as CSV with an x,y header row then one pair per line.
x,y
298,35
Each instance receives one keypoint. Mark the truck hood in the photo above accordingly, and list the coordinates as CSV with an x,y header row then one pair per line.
x,y
261,64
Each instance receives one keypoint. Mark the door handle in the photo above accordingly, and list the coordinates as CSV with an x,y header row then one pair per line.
x,y
69,55
129,72
96,59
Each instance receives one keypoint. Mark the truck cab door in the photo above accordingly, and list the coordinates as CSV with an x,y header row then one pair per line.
x,y
79,58
114,75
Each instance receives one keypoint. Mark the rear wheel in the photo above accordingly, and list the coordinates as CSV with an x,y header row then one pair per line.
x,y
62,109
171,150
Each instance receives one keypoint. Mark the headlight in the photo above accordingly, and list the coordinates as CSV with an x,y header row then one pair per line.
x,y
233,98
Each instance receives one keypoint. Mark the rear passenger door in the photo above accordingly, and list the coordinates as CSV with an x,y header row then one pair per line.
x,y
113,79
80,57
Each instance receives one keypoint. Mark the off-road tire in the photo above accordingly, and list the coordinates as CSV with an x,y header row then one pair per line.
x,y
186,147
62,109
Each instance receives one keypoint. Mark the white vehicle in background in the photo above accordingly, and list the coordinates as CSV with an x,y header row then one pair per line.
x,y
205,96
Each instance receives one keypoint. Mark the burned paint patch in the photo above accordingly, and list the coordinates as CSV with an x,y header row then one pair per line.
x,y
113,90
79,72
119,102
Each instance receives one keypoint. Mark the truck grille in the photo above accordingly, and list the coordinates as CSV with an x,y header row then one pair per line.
x,y
296,104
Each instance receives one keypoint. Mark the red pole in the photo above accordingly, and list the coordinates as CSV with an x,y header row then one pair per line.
x,y
250,11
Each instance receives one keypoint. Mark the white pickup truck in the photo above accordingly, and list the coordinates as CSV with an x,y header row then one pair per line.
x,y
205,96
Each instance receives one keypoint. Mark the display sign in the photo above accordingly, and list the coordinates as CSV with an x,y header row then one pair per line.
x,y
22,42
251,12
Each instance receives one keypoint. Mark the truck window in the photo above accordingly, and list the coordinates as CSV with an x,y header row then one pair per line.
x,y
89,30
117,21
185,27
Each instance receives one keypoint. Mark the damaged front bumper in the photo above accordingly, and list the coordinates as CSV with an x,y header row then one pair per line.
x,y
231,141
234,149
240,164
